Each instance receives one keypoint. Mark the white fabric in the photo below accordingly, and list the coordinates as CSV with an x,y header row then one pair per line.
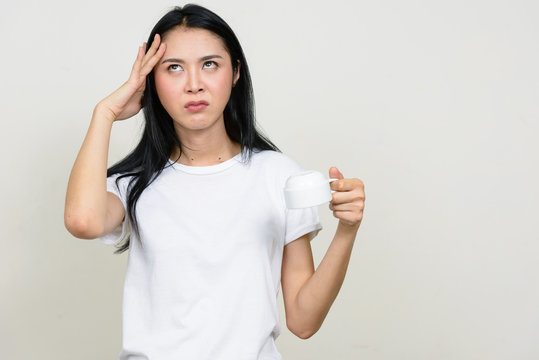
x,y
202,281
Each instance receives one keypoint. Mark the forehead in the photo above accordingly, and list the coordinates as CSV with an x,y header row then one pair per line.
x,y
193,42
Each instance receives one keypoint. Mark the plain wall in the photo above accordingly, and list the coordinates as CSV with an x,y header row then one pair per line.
x,y
433,104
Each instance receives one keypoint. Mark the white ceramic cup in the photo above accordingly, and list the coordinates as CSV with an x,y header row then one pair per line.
x,y
307,189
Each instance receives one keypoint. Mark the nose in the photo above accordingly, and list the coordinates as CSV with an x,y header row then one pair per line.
x,y
194,82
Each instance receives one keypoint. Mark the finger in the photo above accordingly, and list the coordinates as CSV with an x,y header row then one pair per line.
x,y
349,216
134,77
346,184
347,197
335,173
153,49
148,67
155,42
138,62
343,207
341,185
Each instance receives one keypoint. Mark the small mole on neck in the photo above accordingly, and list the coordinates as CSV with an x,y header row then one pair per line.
x,y
193,159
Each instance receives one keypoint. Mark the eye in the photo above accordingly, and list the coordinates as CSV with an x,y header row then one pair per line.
x,y
211,62
174,67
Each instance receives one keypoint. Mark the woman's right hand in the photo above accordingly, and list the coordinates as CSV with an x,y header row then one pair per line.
x,y
126,101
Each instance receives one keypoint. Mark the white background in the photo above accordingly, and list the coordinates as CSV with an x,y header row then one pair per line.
x,y
433,104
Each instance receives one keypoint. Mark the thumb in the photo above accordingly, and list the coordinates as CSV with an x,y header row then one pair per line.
x,y
334,173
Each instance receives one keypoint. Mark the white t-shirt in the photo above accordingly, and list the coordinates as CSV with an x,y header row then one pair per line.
x,y
203,278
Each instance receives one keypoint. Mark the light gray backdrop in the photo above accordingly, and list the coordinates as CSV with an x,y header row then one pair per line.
x,y
433,104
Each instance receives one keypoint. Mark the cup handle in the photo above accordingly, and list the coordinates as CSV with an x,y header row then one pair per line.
x,y
331,180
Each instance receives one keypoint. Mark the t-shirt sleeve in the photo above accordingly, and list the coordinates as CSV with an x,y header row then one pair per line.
x,y
298,221
121,230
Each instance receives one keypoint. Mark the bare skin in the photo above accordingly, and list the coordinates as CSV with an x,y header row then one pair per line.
x,y
90,211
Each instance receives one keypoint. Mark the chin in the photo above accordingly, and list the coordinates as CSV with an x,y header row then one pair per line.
x,y
197,121
194,124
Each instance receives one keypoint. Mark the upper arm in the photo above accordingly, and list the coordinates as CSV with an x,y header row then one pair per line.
x,y
297,268
115,213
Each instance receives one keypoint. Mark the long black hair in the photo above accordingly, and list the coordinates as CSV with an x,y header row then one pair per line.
x,y
152,153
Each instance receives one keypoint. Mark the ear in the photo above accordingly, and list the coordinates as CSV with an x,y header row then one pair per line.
x,y
236,74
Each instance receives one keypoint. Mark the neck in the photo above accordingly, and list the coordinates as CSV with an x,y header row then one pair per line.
x,y
205,150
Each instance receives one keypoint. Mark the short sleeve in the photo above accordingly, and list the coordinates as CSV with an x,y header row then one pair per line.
x,y
298,222
119,190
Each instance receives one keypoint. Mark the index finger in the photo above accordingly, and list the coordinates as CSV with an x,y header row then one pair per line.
x,y
152,61
152,49
345,184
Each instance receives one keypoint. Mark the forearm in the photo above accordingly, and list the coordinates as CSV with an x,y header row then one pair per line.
x,y
86,196
316,296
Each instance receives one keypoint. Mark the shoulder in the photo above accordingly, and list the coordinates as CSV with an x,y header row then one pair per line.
x,y
120,177
277,167
120,180
277,160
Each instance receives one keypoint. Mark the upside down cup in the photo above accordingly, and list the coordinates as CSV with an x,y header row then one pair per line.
x,y
307,189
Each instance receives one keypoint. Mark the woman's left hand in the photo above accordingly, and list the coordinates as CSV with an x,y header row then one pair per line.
x,y
348,199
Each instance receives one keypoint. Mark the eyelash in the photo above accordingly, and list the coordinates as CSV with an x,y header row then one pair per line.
x,y
216,65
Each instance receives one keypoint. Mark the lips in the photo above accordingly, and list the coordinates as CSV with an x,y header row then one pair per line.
x,y
196,103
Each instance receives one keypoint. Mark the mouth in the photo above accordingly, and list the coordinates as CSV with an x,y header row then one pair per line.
x,y
195,106
196,103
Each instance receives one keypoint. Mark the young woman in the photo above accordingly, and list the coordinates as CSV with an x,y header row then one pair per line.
x,y
199,203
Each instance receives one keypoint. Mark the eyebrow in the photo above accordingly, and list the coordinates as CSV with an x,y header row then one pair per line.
x,y
207,57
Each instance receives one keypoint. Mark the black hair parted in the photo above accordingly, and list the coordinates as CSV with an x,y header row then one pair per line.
x,y
151,155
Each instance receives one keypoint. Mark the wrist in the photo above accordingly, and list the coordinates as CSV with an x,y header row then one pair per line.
x,y
103,112
347,227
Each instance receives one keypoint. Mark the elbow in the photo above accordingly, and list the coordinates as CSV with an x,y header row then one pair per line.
x,y
82,227
303,334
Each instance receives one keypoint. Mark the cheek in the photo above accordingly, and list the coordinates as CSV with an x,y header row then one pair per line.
x,y
165,88
223,86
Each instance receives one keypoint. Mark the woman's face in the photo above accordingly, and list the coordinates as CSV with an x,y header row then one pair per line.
x,y
195,67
